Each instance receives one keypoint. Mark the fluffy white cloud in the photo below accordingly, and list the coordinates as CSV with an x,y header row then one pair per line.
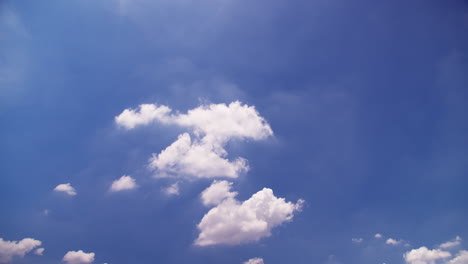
x,y
123,183
217,192
392,241
212,125
78,257
423,255
66,188
453,243
378,235
146,114
232,222
39,251
357,240
172,189
461,258
195,159
254,261
9,249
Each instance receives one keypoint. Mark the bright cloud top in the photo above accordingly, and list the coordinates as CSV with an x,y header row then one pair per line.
x,y
254,261
66,188
232,222
423,255
123,183
440,255
203,155
78,257
10,249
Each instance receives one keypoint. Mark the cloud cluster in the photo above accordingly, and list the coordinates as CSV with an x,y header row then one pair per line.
x,y
232,222
66,188
10,249
123,183
78,257
440,255
254,261
202,154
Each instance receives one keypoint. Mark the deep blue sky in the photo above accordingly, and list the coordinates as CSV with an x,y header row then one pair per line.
x,y
367,101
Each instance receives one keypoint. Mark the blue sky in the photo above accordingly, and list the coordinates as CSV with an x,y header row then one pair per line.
x,y
366,102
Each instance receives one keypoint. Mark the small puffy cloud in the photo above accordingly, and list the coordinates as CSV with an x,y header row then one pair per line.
x,y
39,251
378,235
461,258
357,240
66,188
212,126
172,189
254,261
217,192
123,183
450,244
232,222
146,114
78,257
10,249
423,255
394,242
185,158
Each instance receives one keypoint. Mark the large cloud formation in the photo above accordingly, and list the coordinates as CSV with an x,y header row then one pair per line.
x,y
440,255
9,249
232,222
78,257
200,154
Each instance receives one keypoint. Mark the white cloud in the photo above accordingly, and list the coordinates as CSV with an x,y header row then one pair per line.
x,y
9,249
39,251
378,235
450,244
172,189
202,156
123,183
66,188
423,255
392,241
78,257
357,240
217,192
254,261
461,258
232,222
195,159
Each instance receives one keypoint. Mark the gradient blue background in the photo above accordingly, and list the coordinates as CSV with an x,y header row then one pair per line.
x,y
367,100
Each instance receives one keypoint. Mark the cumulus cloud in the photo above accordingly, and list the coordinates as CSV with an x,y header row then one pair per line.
x,y
202,154
66,188
357,240
378,235
10,249
123,183
195,159
172,189
217,192
450,244
423,255
254,261
39,251
232,222
461,258
394,242
78,257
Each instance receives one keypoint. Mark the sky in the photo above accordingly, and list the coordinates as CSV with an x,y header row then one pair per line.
x,y
232,131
